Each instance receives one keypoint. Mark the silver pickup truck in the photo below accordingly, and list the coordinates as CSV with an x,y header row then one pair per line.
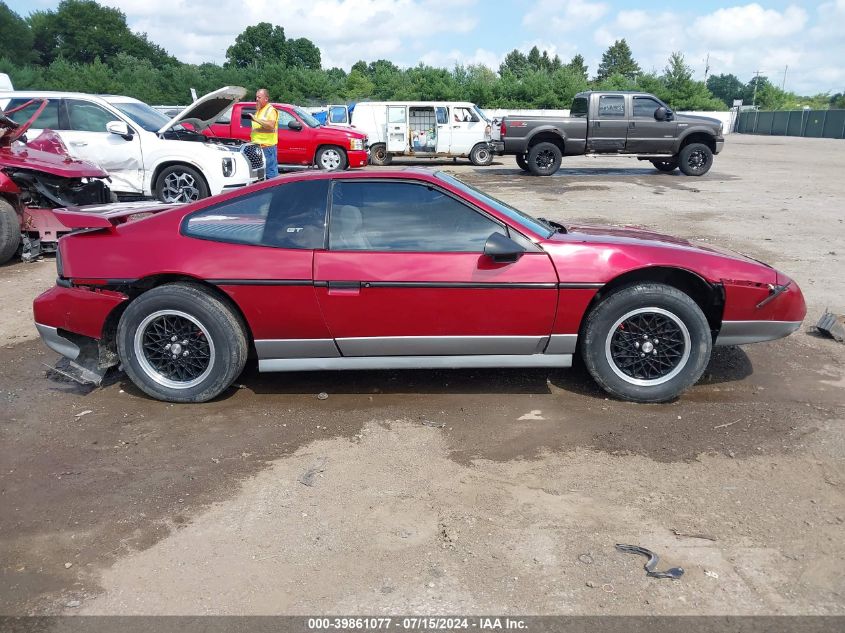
x,y
623,123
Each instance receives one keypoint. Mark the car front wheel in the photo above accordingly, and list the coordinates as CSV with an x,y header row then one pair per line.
x,y
10,231
696,159
646,343
331,158
544,159
481,155
179,184
180,343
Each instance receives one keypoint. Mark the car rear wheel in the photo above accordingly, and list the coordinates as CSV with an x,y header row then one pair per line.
x,y
180,183
544,159
696,159
180,343
646,343
666,165
481,155
520,160
379,155
331,158
10,231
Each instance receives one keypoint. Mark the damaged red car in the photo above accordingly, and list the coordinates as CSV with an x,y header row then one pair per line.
x,y
35,177
403,269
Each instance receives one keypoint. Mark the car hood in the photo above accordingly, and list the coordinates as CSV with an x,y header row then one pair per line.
x,y
19,156
642,236
207,109
694,119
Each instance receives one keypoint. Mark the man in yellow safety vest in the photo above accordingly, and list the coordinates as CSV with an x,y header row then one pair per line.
x,y
265,131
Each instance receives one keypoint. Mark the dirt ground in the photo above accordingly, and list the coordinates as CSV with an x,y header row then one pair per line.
x,y
458,491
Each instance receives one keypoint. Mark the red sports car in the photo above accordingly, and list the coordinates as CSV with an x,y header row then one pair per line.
x,y
389,270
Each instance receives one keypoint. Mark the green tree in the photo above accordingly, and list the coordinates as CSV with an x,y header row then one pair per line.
x,y
15,37
258,45
682,92
515,63
726,87
618,60
302,53
578,66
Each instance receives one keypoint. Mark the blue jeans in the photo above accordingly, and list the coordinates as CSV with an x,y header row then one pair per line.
x,y
271,160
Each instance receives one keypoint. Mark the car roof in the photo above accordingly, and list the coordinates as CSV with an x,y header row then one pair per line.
x,y
416,173
462,104
56,94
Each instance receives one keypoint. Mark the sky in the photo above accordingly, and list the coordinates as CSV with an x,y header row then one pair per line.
x,y
802,43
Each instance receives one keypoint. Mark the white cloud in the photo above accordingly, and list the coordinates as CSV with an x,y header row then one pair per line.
x,y
745,24
554,16
448,59
344,30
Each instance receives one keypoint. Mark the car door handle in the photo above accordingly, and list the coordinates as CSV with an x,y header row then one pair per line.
x,y
78,143
344,287
596,123
632,124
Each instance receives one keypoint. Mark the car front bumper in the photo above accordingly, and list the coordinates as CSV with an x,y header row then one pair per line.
x,y
720,144
358,158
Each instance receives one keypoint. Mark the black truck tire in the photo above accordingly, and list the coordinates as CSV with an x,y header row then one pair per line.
x,y
379,155
544,159
10,231
666,165
696,159
521,162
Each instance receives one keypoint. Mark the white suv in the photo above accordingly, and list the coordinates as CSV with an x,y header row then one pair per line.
x,y
146,153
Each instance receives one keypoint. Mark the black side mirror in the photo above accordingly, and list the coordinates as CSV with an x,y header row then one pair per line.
x,y
295,125
502,249
661,114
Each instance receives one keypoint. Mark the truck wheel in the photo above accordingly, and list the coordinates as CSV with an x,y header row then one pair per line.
x,y
696,159
331,158
646,342
666,165
520,160
544,159
481,155
179,343
10,231
379,155
180,183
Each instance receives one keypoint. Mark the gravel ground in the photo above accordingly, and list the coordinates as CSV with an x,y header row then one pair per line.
x,y
458,491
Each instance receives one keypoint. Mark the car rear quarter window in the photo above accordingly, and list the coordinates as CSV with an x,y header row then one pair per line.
x,y
579,107
399,216
289,215
49,117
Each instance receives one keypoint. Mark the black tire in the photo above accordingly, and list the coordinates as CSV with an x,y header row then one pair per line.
x,y
10,231
179,184
640,369
520,160
331,158
695,159
379,155
666,165
544,159
480,155
200,323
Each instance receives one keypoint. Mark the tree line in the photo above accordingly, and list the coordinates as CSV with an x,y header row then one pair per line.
x,y
83,46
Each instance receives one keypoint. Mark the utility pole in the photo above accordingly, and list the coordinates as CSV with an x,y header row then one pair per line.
x,y
783,83
756,81
706,67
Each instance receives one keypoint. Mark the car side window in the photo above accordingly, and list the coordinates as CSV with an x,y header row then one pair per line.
x,y
246,121
291,215
87,117
644,107
409,217
49,117
612,107
442,115
284,118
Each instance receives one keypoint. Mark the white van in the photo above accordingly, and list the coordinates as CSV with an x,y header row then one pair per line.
x,y
423,129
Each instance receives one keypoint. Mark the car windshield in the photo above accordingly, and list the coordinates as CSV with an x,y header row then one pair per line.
x,y
310,121
143,115
520,217
480,112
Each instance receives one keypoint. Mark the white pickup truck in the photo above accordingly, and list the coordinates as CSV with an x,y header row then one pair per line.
x,y
146,153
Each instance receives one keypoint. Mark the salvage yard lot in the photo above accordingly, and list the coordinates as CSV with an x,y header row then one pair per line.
x,y
459,491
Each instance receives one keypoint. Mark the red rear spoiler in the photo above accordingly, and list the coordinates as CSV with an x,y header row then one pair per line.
x,y
108,215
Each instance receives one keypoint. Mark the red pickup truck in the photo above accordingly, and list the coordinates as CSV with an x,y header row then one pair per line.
x,y
302,139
